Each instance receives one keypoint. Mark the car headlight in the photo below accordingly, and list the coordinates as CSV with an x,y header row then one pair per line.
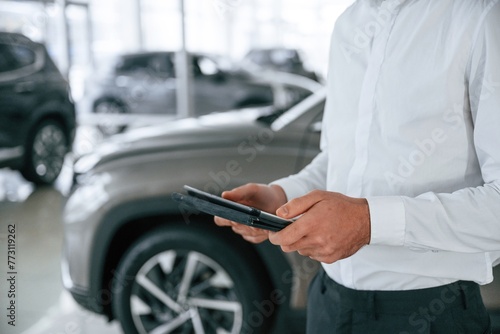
x,y
85,163
87,198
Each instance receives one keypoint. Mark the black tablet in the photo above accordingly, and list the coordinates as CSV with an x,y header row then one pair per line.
x,y
221,207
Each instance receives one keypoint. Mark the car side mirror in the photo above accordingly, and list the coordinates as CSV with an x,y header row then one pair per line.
x,y
315,127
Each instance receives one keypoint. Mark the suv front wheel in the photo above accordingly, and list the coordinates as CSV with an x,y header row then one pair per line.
x,y
45,151
110,109
184,279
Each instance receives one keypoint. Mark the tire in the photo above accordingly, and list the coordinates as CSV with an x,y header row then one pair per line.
x,y
184,279
110,107
45,151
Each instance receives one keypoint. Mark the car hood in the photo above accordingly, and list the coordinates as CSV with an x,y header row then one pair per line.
x,y
218,129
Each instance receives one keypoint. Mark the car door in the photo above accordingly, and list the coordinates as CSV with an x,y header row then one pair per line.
x,y
310,144
210,86
215,88
20,65
308,125
284,148
160,85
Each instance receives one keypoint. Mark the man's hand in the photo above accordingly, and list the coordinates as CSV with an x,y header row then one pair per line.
x,y
260,196
332,226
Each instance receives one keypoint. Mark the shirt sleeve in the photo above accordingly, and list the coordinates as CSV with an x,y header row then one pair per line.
x,y
467,220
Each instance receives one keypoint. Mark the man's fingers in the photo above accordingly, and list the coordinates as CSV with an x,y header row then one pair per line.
x,y
251,234
289,235
240,194
235,194
299,205
222,222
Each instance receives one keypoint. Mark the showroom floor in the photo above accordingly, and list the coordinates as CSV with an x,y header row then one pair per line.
x,y
32,217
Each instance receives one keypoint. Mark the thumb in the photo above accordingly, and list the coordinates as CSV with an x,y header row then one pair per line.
x,y
299,205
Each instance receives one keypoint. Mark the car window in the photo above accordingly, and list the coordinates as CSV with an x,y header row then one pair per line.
x,y
7,61
13,57
19,59
294,114
259,57
130,64
162,64
317,123
24,55
283,57
159,64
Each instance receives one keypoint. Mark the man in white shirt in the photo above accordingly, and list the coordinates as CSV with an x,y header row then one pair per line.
x,y
403,202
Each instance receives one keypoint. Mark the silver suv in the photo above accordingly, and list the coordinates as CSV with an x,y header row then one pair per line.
x,y
132,253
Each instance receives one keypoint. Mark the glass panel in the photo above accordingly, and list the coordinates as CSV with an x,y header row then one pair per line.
x,y
23,55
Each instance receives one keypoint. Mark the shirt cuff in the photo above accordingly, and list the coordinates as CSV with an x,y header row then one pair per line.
x,y
387,218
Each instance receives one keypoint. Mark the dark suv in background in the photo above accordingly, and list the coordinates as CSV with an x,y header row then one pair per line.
x,y
37,115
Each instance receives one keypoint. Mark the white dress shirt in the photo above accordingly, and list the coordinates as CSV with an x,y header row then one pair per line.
x,y
412,123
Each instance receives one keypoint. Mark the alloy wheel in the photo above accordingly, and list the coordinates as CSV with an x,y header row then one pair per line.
x,y
46,151
184,292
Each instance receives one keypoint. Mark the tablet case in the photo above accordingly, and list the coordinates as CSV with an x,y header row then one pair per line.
x,y
247,216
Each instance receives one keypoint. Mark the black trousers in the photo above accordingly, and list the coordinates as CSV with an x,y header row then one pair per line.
x,y
453,308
